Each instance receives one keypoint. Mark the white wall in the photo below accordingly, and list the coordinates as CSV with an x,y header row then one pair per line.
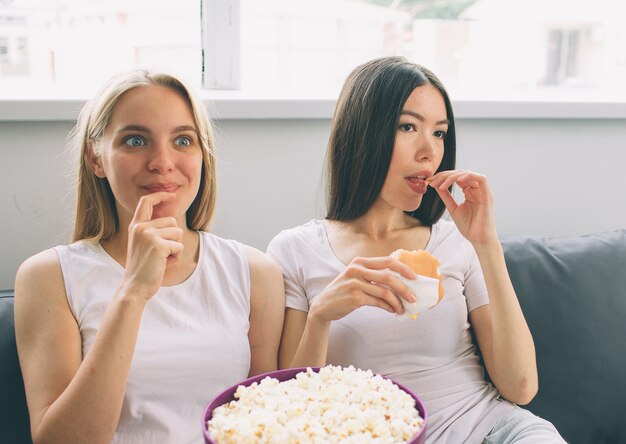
x,y
550,177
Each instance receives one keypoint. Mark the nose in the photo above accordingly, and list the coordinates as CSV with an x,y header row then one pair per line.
x,y
427,149
161,158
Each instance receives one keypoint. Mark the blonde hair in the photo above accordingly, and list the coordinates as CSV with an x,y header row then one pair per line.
x,y
96,214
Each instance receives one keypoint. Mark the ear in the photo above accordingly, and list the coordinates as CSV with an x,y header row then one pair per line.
x,y
93,160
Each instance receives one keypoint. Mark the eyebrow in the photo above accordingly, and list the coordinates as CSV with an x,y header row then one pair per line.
x,y
147,130
419,117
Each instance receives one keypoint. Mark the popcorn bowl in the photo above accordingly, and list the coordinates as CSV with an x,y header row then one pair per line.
x,y
283,375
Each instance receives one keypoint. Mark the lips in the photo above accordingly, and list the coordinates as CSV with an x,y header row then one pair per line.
x,y
157,187
417,181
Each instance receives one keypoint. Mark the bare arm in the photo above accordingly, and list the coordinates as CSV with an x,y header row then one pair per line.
x,y
304,342
501,330
365,281
76,401
70,400
267,305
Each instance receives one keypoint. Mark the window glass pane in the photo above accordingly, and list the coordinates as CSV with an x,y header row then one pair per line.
x,y
481,49
307,48
71,47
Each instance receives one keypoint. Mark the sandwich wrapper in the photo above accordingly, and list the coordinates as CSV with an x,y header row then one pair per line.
x,y
426,291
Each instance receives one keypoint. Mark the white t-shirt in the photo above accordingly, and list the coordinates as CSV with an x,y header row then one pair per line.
x,y
192,343
433,355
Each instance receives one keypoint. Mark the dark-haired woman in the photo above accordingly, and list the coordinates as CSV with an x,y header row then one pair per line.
x,y
391,167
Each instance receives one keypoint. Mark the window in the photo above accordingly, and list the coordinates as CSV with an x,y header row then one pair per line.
x,y
307,48
13,48
481,49
70,47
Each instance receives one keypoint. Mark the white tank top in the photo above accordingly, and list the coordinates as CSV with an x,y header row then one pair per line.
x,y
192,343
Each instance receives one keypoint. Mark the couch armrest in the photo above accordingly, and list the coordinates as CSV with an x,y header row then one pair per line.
x,y
14,422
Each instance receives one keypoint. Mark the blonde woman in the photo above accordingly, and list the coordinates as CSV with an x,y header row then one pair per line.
x,y
125,334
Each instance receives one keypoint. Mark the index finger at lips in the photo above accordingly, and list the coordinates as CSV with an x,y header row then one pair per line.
x,y
143,212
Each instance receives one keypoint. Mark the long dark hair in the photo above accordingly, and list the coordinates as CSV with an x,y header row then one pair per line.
x,y
363,134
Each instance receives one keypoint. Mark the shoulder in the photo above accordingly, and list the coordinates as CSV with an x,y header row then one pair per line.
x,y
259,261
265,274
446,228
305,234
448,243
445,232
41,267
39,283
230,252
215,241
304,231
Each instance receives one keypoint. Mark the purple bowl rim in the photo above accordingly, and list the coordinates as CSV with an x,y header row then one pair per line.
x,y
419,404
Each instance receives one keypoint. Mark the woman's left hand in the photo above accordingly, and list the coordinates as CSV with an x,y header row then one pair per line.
x,y
474,217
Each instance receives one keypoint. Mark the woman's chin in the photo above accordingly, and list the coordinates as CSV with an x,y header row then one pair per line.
x,y
164,210
413,206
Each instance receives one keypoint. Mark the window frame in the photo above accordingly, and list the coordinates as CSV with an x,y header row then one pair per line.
x,y
230,108
220,21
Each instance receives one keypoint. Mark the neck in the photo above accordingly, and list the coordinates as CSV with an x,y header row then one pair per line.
x,y
380,223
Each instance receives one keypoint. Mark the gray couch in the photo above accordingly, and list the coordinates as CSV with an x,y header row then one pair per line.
x,y
14,425
573,293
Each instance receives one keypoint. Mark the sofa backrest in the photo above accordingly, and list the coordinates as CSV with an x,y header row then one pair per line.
x,y
14,423
573,294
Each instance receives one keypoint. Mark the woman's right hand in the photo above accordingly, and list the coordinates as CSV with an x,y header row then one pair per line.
x,y
365,281
151,245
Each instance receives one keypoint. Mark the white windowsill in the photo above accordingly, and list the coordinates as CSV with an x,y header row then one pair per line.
x,y
230,108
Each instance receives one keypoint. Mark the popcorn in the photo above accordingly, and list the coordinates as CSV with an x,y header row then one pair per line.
x,y
337,404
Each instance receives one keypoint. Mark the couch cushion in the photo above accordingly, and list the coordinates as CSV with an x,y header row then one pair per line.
x,y
573,294
14,423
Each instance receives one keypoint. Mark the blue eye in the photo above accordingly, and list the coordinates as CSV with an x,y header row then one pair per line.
x,y
183,141
135,141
